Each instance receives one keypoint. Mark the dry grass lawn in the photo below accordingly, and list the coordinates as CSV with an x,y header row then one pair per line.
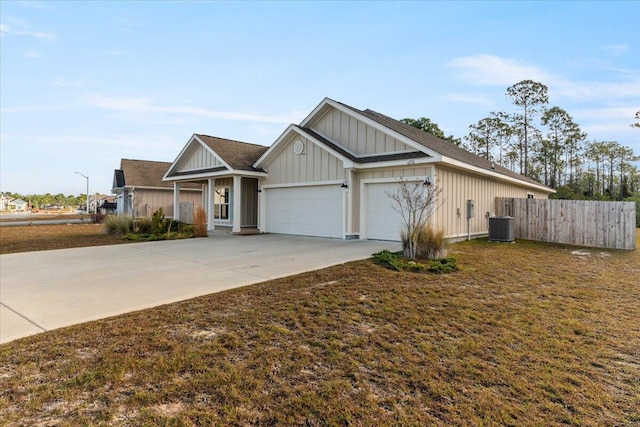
x,y
36,237
526,334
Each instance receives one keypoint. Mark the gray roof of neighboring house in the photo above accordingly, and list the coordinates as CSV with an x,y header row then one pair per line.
x,y
144,173
239,155
438,145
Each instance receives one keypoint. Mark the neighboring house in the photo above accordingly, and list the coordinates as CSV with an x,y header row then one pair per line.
x,y
330,176
4,202
18,205
140,190
107,204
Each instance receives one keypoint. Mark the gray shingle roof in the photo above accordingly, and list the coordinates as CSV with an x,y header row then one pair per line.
x,y
144,173
239,155
438,145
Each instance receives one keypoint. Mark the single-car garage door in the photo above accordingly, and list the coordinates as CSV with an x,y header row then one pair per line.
x,y
306,211
382,222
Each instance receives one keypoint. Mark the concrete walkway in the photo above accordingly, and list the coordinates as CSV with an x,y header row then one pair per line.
x,y
40,291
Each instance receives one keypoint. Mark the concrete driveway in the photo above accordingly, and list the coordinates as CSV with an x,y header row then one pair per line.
x,y
40,291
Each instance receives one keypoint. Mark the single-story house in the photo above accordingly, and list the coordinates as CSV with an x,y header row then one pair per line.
x,y
331,175
140,190
18,205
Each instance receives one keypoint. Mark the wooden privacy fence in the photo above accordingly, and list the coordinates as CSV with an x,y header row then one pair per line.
x,y
575,222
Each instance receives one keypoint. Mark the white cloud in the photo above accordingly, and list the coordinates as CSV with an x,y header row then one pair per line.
x,y
33,55
489,70
470,98
38,5
35,108
141,105
599,90
23,30
62,82
492,70
624,114
616,49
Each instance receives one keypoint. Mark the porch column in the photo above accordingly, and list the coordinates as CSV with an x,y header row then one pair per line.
x,y
349,228
237,211
211,188
176,200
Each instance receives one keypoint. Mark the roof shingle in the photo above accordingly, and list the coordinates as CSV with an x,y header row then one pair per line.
x,y
145,173
438,145
239,155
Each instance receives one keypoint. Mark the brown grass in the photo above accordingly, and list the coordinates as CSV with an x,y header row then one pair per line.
x,y
525,334
45,237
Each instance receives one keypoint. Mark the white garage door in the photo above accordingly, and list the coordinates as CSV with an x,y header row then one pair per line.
x,y
382,221
305,211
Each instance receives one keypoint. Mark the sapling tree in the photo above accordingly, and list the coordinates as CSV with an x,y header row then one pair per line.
x,y
416,202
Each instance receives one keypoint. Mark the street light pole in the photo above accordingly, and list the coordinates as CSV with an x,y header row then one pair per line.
x,y
87,178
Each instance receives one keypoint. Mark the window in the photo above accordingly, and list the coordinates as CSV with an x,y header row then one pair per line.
x,y
529,196
221,203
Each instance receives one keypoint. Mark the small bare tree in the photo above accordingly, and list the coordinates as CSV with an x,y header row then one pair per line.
x,y
416,202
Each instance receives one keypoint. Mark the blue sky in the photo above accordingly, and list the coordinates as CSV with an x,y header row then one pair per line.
x,y
84,84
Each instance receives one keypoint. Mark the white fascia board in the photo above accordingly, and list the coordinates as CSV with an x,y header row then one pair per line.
x,y
188,178
275,147
175,161
397,163
140,187
303,184
410,142
345,161
193,140
315,111
461,165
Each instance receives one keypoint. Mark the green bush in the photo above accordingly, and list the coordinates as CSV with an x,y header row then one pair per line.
x,y
443,265
145,226
118,224
396,262
388,260
158,222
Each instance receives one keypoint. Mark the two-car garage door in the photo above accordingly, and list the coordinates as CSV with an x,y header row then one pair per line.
x,y
306,211
319,211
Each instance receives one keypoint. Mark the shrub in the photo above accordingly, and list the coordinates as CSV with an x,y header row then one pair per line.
x,y
118,224
200,223
431,244
443,265
145,226
158,222
396,262
388,260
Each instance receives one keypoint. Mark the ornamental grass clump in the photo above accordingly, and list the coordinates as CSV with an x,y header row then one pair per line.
x,y
431,243
118,224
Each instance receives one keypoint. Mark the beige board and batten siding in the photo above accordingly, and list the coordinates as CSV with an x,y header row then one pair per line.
x,y
154,199
249,198
457,187
355,135
315,164
199,158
